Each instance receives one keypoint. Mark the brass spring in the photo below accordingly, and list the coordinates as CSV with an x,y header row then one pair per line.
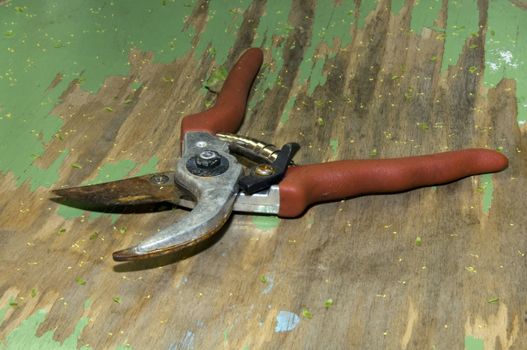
x,y
251,148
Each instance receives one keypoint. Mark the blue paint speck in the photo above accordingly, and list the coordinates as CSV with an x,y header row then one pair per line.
x,y
187,343
286,321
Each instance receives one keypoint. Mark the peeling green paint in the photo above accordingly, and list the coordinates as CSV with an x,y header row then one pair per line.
x,y
113,171
284,118
223,17
25,335
46,177
265,223
71,46
506,51
87,304
397,5
75,39
366,7
487,188
2,313
463,21
472,343
334,144
424,14
331,28
273,25
136,85
148,167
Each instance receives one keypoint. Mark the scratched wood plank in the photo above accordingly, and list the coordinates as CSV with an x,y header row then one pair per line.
x,y
264,283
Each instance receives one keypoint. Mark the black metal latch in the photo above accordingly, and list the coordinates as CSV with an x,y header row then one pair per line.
x,y
264,175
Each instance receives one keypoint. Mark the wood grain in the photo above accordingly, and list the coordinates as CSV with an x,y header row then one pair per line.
x,y
384,97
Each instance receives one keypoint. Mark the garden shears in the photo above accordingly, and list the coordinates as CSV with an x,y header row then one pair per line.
x,y
209,178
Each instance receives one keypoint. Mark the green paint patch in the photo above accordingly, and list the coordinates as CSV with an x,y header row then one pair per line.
x,y
424,14
366,7
331,27
136,85
272,25
77,41
397,5
472,343
71,213
486,187
46,177
22,144
334,145
463,22
265,223
506,50
148,167
24,336
2,313
223,17
87,304
284,118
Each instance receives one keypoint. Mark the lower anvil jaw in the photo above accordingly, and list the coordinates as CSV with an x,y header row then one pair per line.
x,y
215,199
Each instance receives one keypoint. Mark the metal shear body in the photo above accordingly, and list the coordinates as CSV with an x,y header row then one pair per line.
x,y
209,179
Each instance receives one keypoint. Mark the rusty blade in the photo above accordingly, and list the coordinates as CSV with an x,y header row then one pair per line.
x,y
146,189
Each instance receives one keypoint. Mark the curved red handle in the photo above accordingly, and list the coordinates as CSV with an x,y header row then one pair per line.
x,y
308,184
227,114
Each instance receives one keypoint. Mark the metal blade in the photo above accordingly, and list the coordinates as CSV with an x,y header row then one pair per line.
x,y
146,189
216,194
156,188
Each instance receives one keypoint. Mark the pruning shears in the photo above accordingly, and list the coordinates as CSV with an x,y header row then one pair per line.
x,y
210,179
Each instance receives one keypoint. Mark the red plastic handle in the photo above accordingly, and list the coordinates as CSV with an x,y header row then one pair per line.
x,y
227,114
308,184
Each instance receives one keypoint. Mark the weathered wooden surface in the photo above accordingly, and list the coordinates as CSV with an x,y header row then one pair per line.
x,y
384,91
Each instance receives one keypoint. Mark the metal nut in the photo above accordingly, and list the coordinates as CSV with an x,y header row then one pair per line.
x,y
208,159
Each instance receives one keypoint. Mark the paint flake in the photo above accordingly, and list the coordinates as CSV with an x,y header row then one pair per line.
x,y
265,223
286,321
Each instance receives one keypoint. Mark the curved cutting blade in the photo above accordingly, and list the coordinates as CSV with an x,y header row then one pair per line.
x,y
215,196
207,217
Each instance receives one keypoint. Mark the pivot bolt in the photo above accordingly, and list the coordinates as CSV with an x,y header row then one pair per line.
x,y
208,159
207,163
